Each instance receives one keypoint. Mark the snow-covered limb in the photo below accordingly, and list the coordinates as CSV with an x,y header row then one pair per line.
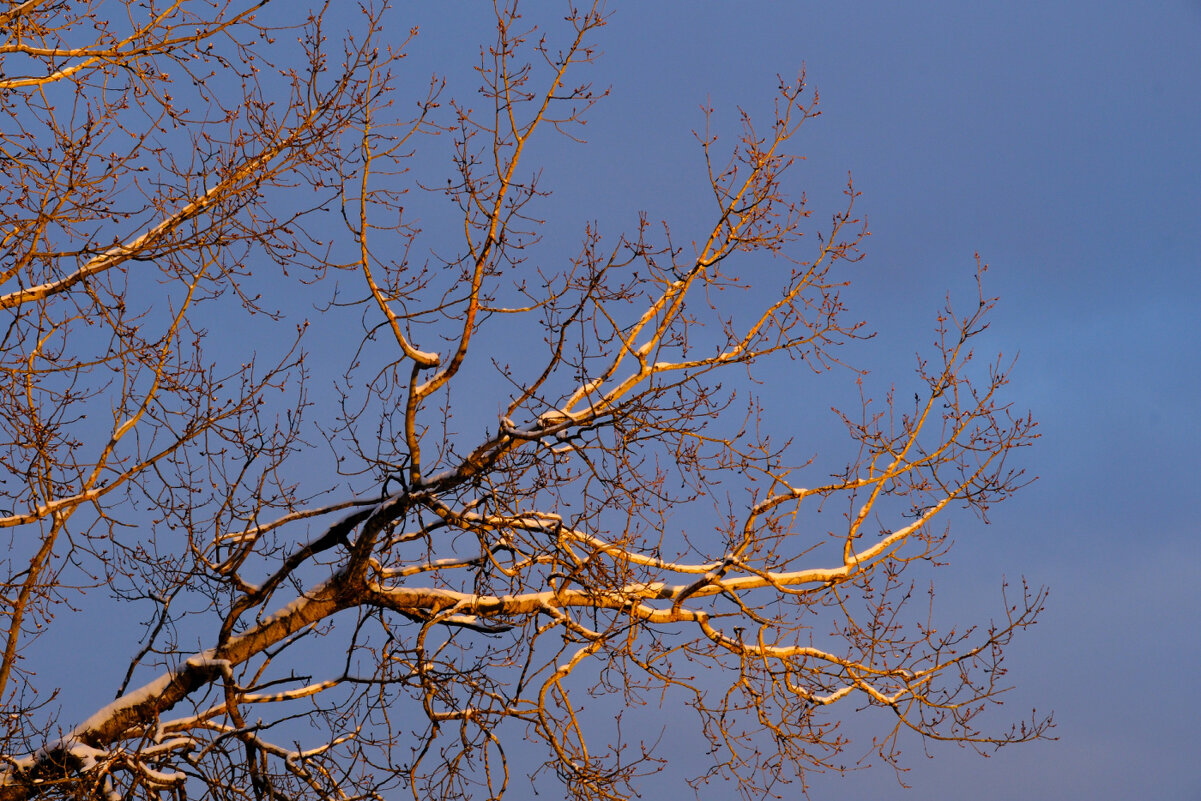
x,y
137,710
134,707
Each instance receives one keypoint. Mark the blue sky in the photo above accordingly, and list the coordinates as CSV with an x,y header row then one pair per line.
x,y
1060,140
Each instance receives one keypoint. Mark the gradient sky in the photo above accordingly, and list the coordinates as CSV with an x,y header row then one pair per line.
x,y
1061,140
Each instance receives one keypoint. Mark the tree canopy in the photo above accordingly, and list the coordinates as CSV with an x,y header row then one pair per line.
x,y
295,381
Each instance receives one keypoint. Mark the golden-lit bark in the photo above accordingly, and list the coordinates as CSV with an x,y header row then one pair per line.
x,y
361,595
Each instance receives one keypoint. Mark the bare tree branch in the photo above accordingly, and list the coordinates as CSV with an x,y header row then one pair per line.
x,y
353,585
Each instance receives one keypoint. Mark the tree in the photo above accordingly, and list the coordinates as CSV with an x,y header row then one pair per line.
x,y
348,592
